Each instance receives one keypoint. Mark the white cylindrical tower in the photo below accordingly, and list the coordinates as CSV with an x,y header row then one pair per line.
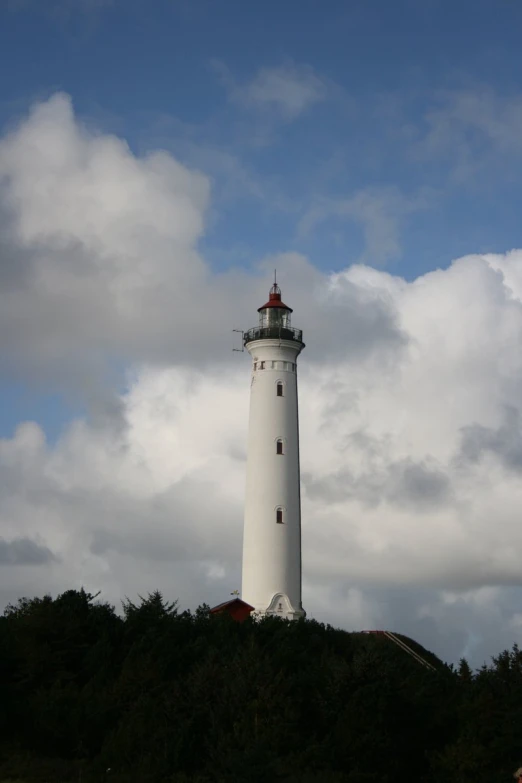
x,y
272,530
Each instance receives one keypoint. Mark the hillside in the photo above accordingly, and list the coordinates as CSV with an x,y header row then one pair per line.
x,y
162,695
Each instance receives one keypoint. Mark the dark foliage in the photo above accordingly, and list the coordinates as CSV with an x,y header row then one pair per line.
x,y
163,695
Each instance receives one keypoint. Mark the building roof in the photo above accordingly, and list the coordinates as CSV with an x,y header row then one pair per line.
x,y
275,300
227,604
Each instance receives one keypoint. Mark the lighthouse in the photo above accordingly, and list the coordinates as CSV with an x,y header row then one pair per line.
x,y
272,526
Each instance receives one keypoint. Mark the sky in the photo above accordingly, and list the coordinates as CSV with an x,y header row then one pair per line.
x,y
157,161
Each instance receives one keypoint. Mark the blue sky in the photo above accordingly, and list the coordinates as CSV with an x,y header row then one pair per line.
x,y
360,147
165,73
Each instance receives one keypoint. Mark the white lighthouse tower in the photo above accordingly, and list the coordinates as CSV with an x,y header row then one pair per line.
x,y
272,531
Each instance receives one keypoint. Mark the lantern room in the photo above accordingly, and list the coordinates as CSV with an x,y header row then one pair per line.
x,y
274,312
275,321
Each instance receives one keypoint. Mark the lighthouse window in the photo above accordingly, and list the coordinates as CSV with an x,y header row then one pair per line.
x,y
255,365
261,365
279,444
279,516
279,389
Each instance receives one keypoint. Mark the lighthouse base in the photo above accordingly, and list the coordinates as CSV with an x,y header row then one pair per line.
x,y
280,606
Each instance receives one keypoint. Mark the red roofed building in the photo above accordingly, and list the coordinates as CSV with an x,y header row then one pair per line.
x,y
239,610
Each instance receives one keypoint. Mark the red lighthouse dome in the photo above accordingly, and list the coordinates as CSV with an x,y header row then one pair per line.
x,y
274,300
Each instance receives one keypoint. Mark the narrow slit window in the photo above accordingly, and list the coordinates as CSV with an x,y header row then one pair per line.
x,y
261,365
279,516
279,446
255,366
279,389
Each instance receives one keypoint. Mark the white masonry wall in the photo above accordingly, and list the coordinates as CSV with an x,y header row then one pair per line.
x,y
272,551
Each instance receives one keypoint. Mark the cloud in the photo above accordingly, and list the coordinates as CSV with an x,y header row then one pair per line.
x,y
409,405
505,441
23,551
405,483
288,90
100,262
99,246
471,128
381,212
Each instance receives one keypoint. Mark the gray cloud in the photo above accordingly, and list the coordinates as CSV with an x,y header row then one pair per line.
x,y
505,442
23,551
418,486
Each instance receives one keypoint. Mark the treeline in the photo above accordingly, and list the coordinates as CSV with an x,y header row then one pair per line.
x,y
163,695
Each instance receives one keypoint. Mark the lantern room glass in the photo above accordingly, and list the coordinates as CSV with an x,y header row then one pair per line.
x,y
274,317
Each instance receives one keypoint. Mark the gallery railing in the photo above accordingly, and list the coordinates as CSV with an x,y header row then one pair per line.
x,y
273,332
